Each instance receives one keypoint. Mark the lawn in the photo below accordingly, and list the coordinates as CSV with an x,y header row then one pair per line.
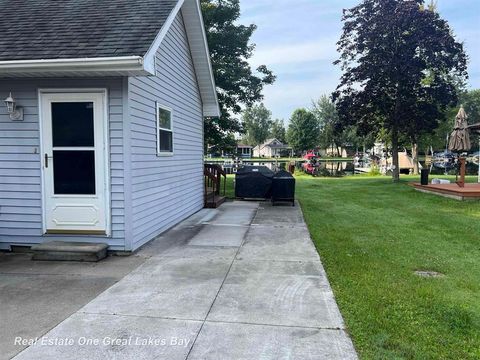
x,y
372,235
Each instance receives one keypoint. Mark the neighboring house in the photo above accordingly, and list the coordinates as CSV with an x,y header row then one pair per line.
x,y
113,95
334,151
244,151
271,148
241,150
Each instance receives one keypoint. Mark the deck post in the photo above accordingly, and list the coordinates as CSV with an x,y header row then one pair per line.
x,y
461,182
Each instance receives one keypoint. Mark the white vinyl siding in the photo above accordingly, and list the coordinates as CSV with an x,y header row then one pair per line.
x,y
149,193
20,162
165,190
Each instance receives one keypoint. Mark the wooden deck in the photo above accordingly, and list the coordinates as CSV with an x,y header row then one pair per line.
x,y
453,191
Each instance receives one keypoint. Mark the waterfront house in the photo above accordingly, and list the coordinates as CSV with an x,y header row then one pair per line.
x,y
101,133
244,151
272,148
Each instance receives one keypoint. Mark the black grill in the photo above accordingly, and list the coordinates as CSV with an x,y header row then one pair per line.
x,y
283,187
253,182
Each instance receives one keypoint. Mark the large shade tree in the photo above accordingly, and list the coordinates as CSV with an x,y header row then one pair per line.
x,y
303,130
327,116
278,131
334,133
399,61
257,121
237,83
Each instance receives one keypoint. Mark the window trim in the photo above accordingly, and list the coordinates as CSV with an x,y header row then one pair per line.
x,y
157,125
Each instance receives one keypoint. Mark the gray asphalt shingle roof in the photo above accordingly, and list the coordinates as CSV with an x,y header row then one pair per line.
x,y
65,29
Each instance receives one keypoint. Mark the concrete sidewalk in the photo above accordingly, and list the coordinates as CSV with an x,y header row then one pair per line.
x,y
242,282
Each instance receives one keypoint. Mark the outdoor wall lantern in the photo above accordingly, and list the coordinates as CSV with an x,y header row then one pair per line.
x,y
15,112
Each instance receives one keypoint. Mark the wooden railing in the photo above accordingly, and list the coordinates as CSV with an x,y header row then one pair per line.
x,y
213,176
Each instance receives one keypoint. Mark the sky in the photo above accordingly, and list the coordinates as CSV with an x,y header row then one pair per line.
x,y
297,40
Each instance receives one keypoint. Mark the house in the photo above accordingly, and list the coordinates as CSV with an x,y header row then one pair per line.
x,y
102,138
244,151
272,148
334,151
241,150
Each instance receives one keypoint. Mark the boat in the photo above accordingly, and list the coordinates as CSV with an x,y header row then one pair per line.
x,y
443,160
360,159
474,158
363,162
310,164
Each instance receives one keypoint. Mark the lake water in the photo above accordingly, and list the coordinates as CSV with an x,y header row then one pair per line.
x,y
334,168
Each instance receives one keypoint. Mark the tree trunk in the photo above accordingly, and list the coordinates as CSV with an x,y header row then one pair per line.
x,y
415,158
395,164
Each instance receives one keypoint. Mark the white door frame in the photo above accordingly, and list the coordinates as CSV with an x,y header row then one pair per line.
x,y
106,149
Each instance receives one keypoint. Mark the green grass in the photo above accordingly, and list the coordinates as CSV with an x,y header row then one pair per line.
x,y
230,191
372,235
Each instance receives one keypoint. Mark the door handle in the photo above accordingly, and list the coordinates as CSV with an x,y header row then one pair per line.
x,y
46,161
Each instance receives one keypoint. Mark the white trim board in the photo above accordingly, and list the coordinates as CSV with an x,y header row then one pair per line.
x,y
149,58
193,18
121,64
197,41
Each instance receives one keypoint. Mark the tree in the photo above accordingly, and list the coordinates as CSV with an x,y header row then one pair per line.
x,y
471,102
332,132
257,121
303,130
400,61
327,117
277,131
438,138
236,82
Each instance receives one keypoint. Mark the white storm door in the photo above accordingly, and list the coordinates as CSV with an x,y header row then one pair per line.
x,y
74,162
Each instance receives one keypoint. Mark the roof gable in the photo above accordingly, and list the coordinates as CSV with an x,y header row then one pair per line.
x,y
273,143
99,38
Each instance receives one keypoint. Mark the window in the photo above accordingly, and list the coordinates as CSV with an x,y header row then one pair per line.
x,y
164,131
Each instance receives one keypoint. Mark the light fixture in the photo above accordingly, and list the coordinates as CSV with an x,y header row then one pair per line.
x,y
15,112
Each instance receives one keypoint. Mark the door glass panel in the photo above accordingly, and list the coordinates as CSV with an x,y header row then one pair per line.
x,y
72,124
74,172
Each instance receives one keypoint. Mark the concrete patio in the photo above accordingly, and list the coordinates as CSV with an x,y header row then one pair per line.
x,y
240,282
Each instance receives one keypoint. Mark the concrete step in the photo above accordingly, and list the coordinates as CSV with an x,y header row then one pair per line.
x,y
69,251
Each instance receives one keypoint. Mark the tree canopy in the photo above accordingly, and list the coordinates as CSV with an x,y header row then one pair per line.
x,y
237,84
399,61
257,121
277,131
303,130
327,116
471,102
438,139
